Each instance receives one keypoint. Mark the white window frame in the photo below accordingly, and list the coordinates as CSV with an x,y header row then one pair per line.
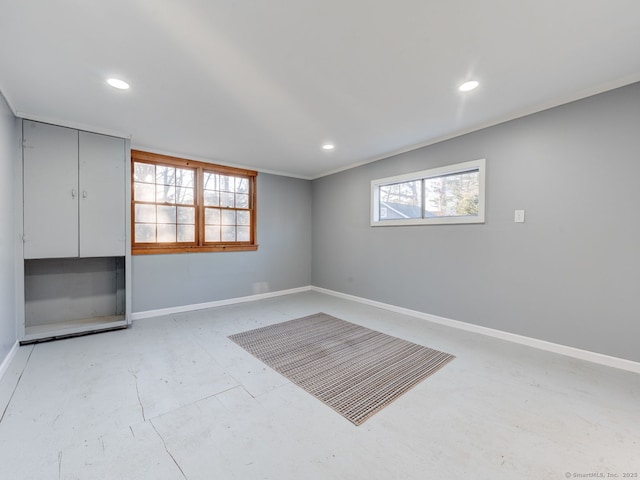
x,y
478,165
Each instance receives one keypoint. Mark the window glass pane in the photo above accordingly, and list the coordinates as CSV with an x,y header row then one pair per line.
x,y
212,216
187,215
165,175
144,192
184,196
228,217
166,214
244,218
145,232
244,234
452,195
185,178
400,200
242,185
226,199
228,233
211,199
145,213
242,201
186,233
166,233
165,194
143,172
227,184
211,233
211,181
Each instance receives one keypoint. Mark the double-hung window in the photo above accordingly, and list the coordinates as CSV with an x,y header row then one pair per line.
x,y
180,205
444,195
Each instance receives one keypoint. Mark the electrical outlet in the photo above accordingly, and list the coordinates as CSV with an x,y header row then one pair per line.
x,y
519,216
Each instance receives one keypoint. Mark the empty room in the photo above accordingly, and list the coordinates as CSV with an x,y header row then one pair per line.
x,y
319,240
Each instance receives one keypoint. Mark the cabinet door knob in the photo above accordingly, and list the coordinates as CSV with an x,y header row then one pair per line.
x,y
84,194
73,193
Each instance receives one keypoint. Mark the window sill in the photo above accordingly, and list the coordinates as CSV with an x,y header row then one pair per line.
x,y
399,222
209,248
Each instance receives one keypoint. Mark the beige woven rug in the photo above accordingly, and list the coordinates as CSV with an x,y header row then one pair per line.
x,y
354,370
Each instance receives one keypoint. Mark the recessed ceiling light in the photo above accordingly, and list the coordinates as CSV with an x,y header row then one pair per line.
x,y
468,86
117,83
328,146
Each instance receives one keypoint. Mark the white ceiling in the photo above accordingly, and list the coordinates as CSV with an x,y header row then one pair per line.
x,y
263,84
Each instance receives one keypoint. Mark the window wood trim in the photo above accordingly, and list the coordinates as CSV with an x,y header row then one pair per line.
x,y
199,245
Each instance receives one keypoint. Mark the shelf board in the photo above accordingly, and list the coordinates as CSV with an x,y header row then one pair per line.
x,y
72,328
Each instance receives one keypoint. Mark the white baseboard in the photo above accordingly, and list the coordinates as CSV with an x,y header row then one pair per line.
x,y
593,357
586,355
217,303
7,360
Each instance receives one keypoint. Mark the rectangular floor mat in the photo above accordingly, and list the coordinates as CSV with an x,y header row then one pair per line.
x,y
354,370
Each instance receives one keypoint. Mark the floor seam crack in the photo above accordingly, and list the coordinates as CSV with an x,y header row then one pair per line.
x,y
138,395
17,383
167,450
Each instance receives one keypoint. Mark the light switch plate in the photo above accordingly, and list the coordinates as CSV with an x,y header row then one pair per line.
x,y
519,216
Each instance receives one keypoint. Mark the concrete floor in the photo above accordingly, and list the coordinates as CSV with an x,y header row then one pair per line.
x,y
173,398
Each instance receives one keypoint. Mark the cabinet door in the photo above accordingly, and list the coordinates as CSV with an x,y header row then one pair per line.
x,y
102,195
50,156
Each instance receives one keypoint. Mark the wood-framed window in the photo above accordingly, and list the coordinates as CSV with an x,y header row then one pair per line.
x,y
181,206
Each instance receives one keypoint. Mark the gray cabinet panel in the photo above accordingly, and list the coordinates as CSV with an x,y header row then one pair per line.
x,y
102,195
50,191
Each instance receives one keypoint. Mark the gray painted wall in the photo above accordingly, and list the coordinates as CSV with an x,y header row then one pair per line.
x,y
9,144
569,275
282,261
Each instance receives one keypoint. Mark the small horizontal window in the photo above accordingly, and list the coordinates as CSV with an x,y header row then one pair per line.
x,y
444,195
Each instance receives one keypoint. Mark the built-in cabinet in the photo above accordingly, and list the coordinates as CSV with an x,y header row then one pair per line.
x,y
74,231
